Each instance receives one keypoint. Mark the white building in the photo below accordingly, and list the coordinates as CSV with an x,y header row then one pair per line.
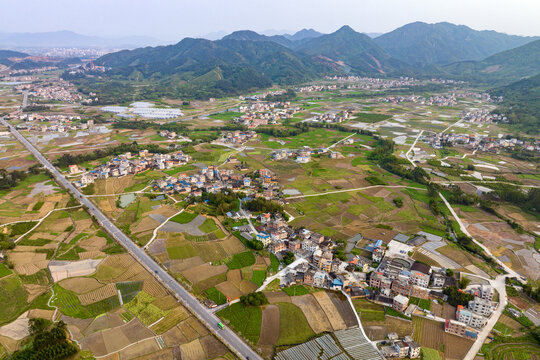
x,y
480,306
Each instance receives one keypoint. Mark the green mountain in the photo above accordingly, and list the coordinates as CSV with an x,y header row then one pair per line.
x,y
303,34
203,68
522,103
351,51
424,44
253,36
504,67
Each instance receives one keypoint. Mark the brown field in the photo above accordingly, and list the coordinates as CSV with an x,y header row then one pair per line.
x,y
177,266
455,254
113,266
28,263
519,302
232,245
153,287
145,347
164,354
508,321
210,251
197,326
34,290
193,351
449,312
187,331
165,303
204,271
94,243
174,336
228,289
212,347
455,347
146,224
96,295
277,297
91,255
344,308
39,313
80,285
313,312
270,325
379,330
330,310
432,333
437,309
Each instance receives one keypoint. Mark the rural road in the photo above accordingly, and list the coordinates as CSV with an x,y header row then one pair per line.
x,y
233,341
407,154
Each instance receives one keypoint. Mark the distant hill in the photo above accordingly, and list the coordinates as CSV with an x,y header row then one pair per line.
x,y
423,44
202,67
5,56
349,50
373,35
522,103
71,39
303,34
504,67
253,36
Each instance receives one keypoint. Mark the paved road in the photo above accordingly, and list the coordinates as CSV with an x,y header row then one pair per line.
x,y
232,340
25,99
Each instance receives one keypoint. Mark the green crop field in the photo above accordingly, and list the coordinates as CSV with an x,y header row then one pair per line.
x,y
69,304
368,311
245,321
216,296
241,260
258,277
13,299
184,217
429,354
370,117
208,226
4,271
293,326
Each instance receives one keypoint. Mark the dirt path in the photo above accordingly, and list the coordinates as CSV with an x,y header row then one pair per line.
x,y
269,325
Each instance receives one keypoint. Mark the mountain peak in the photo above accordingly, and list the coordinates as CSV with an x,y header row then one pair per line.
x,y
345,29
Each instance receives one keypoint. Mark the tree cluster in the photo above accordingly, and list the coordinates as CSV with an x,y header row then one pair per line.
x,y
254,299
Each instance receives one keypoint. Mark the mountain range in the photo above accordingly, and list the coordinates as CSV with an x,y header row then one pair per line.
x,y
424,44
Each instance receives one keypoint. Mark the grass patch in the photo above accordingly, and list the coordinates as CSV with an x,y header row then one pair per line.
x,y
184,218
258,277
296,290
393,312
370,117
4,271
293,326
368,311
13,299
274,264
215,295
208,226
244,320
241,260
429,354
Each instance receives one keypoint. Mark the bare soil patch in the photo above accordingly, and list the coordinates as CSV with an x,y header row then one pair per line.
x,y
204,271
145,347
315,315
80,285
330,310
277,297
96,295
177,266
270,325
193,350
212,347
228,289
232,245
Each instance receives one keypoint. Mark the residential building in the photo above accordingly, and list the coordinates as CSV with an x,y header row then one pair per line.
x,y
480,306
400,303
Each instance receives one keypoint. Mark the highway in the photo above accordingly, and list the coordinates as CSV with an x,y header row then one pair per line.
x,y
227,336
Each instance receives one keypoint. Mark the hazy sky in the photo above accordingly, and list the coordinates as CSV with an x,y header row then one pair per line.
x,y
172,20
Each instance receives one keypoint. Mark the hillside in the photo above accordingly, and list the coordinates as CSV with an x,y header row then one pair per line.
x,y
423,44
5,56
249,35
504,67
204,68
522,103
349,50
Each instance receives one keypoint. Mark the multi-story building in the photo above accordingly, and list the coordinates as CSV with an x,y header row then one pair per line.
x,y
480,306
401,287
468,317
420,292
487,292
400,303
460,329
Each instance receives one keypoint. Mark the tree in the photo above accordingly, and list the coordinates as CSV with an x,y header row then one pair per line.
x,y
398,202
254,299
288,258
464,282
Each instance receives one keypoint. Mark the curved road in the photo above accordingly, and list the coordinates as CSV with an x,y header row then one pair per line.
x,y
233,341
